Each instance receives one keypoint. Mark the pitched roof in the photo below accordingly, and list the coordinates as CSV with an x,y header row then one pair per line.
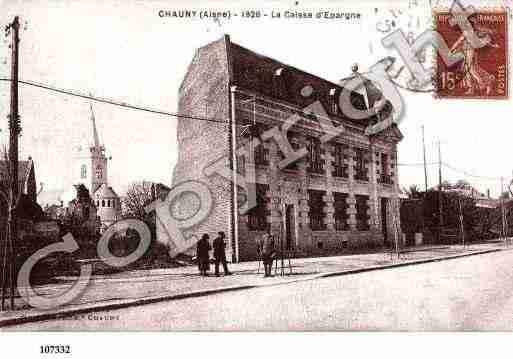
x,y
105,191
272,78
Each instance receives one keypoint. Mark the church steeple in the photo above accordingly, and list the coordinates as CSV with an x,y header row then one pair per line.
x,y
96,138
98,158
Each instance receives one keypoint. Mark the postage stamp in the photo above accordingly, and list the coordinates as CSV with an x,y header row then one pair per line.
x,y
483,70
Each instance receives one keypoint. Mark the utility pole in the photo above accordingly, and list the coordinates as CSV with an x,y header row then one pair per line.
x,y
425,166
462,228
440,216
14,131
503,217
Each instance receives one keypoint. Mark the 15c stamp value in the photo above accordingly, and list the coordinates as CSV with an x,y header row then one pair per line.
x,y
483,70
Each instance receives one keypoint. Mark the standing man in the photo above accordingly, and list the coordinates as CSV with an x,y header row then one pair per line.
x,y
265,248
202,249
220,254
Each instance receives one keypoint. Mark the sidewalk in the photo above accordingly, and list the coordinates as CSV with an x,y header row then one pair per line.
x,y
124,289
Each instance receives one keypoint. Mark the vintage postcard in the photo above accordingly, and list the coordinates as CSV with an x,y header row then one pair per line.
x,y
255,166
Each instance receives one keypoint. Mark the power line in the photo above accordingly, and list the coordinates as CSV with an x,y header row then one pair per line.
x,y
417,164
113,102
468,174
455,169
172,114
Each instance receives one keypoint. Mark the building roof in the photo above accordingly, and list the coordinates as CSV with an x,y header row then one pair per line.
x,y
263,74
96,138
269,77
105,191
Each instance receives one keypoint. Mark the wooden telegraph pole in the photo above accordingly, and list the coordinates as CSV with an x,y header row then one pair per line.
x,y
14,131
503,215
462,228
424,155
440,215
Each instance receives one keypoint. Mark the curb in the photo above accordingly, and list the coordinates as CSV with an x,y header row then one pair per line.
x,y
120,304
404,264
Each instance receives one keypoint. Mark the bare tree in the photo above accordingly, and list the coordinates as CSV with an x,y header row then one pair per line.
x,y
414,192
137,197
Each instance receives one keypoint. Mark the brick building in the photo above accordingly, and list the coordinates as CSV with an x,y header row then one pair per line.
x,y
336,198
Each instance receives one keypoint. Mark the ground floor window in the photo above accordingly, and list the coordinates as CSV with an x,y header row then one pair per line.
x,y
316,213
257,216
340,214
362,217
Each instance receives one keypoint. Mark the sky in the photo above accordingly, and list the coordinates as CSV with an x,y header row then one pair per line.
x,y
125,51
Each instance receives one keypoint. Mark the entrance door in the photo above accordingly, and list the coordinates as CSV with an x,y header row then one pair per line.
x,y
384,204
289,226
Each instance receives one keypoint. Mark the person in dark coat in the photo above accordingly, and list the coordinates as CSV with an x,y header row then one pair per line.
x,y
266,251
202,253
220,253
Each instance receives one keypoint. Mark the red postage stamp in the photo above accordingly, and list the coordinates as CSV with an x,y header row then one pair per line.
x,y
483,71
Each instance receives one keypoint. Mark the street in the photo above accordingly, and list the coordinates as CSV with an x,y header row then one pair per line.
x,y
471,293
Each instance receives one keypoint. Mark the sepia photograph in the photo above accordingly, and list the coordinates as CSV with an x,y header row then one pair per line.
x,y
276,166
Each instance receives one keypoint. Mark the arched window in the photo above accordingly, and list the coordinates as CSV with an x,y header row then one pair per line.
x,y
103,203
108,203
83,172
99,172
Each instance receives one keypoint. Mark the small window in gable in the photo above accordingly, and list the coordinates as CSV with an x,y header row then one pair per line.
x,y
332,100
280,83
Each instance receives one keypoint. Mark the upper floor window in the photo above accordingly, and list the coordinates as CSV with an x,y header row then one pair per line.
x,y
83,172
279,83
314,156
384,170
99,172
296,145
339,161
332,100
360,165
257,216
241,164
261,155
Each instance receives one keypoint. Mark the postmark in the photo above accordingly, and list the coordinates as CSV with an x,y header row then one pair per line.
x,y
483,71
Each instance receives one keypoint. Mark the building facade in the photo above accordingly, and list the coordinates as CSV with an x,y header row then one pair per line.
x,y
342,194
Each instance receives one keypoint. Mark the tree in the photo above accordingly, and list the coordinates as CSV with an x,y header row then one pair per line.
x,y
79,219
414,192
138,196
462,183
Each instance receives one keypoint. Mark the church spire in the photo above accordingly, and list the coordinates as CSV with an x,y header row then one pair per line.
x,y
95,131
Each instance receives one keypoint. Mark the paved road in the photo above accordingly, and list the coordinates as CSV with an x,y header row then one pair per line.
x,y
472,293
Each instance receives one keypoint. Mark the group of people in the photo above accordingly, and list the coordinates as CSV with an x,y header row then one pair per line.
x,y
203,248
265,250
